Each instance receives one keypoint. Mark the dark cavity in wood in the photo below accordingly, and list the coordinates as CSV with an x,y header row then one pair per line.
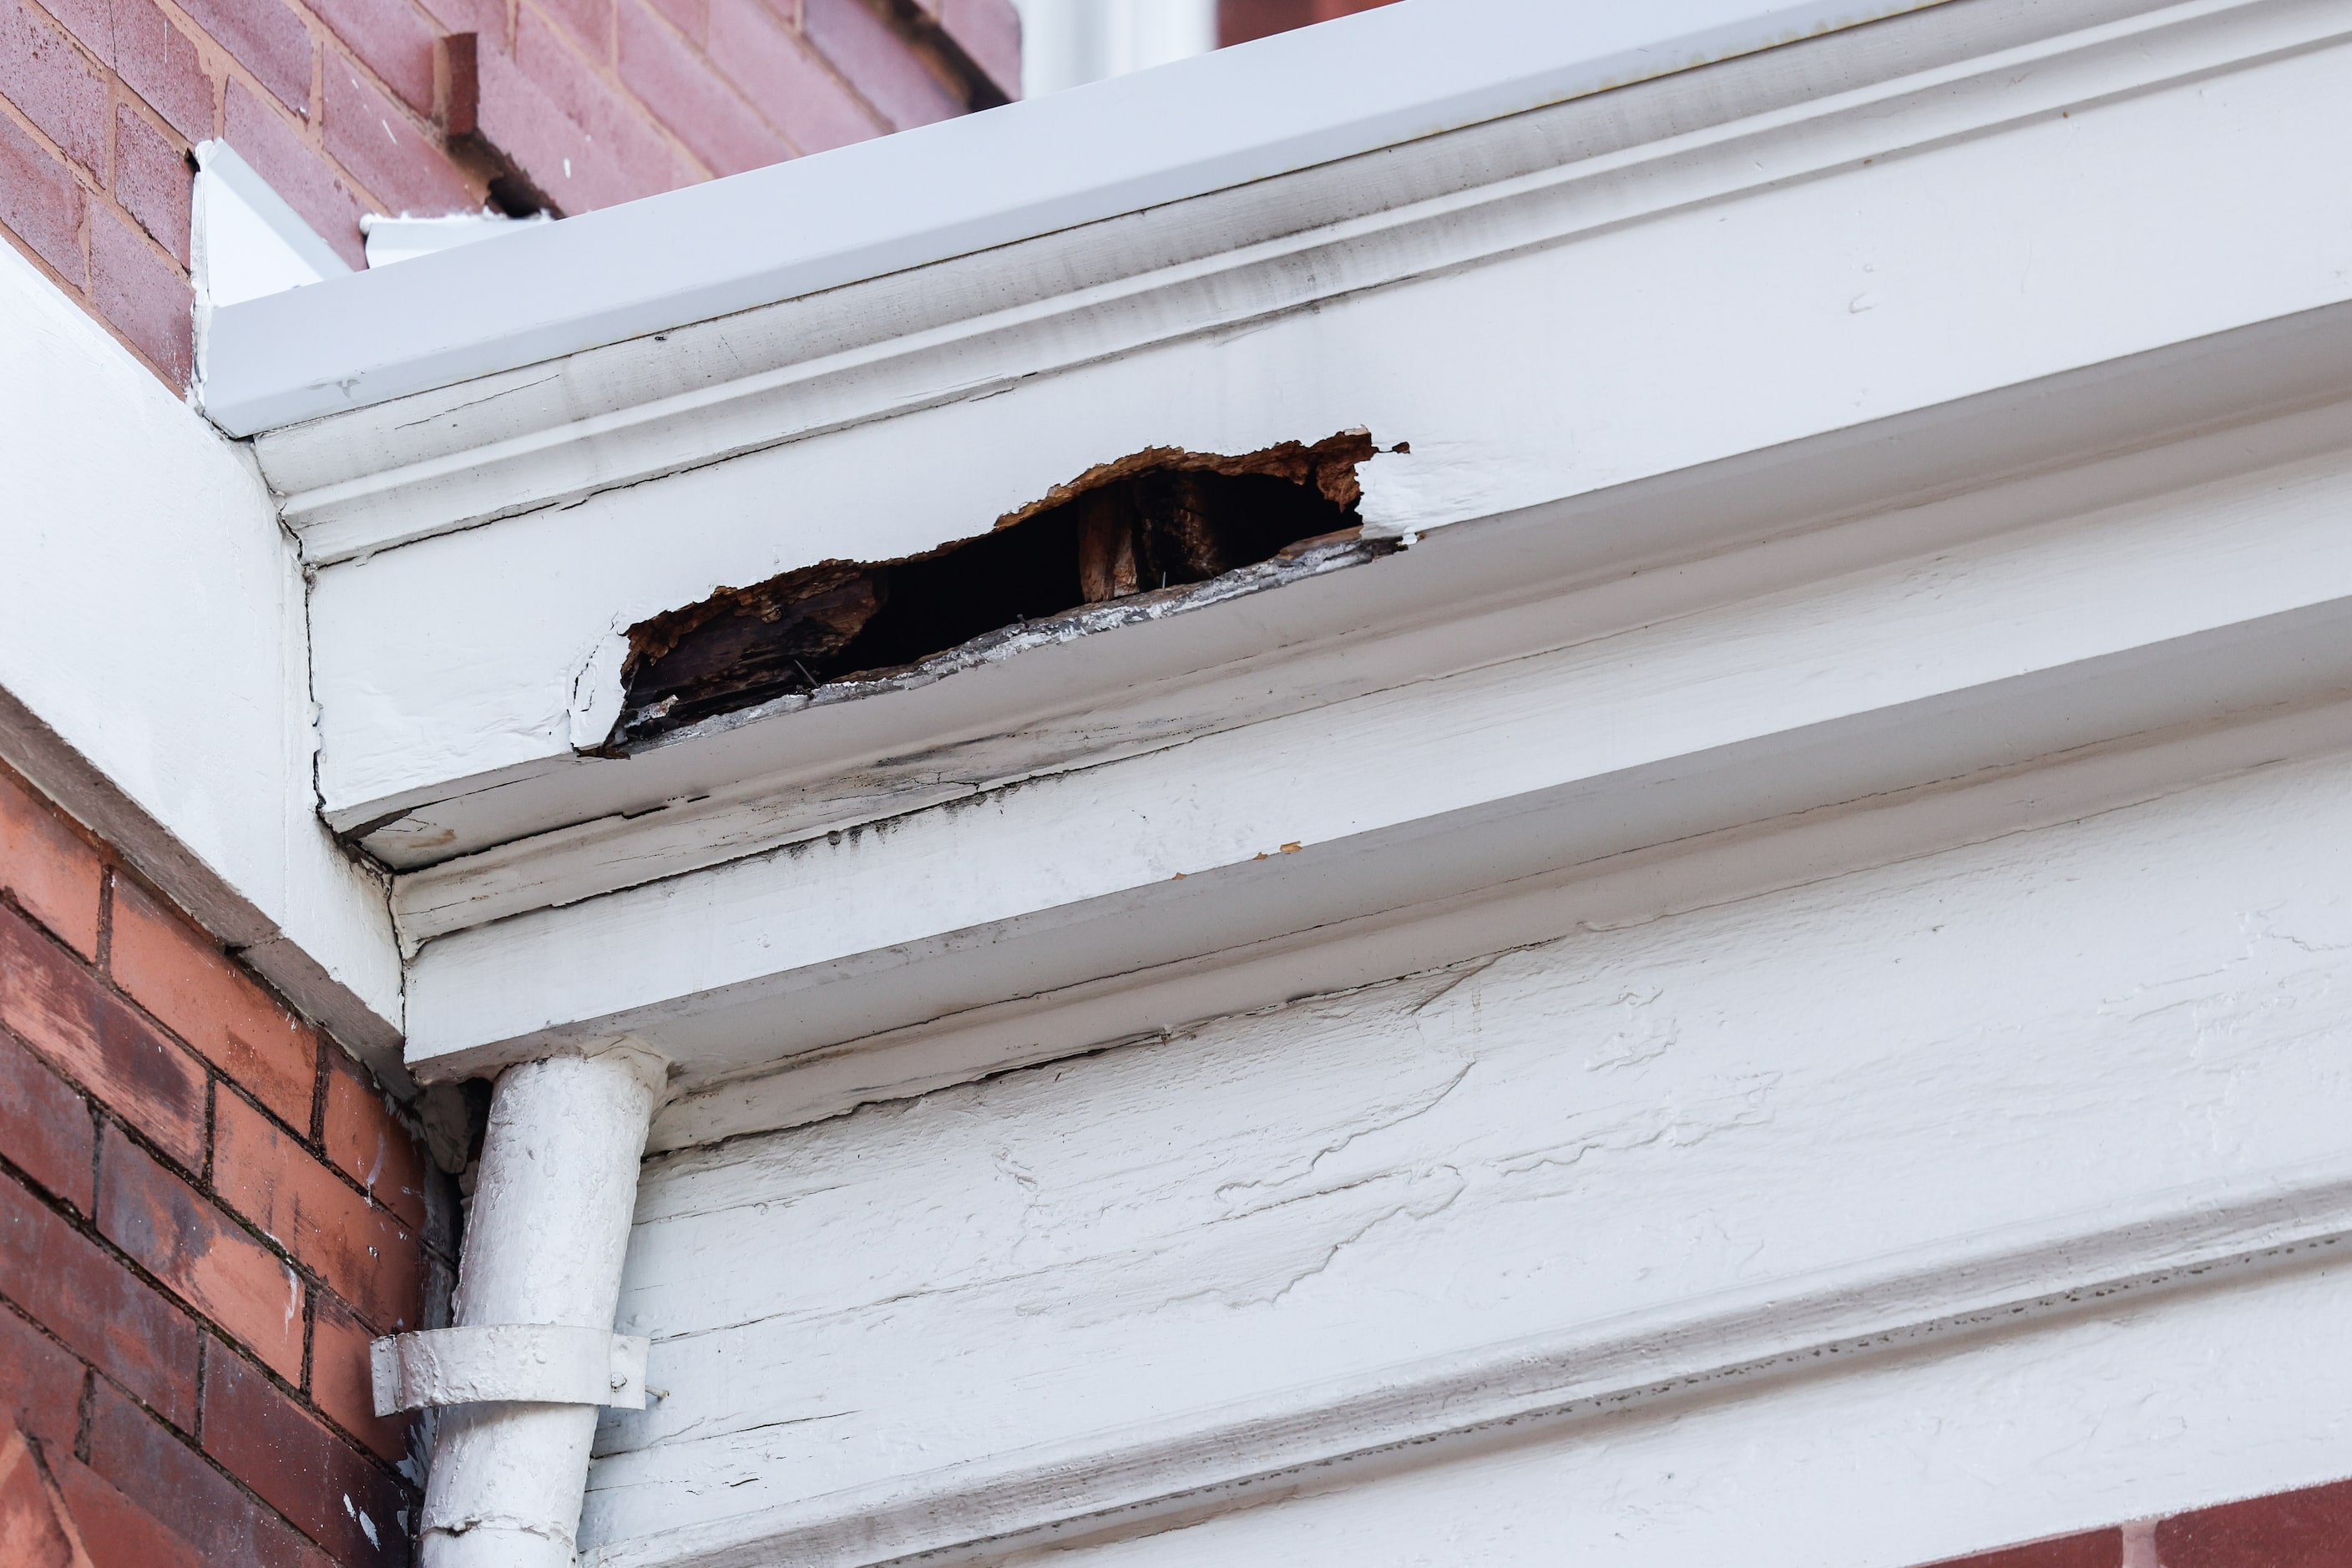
x,y
1160,519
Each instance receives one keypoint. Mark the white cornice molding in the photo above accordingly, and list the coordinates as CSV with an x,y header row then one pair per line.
x,y
1477,595
1942,1295
1750,616
1021,908
481,841
550,434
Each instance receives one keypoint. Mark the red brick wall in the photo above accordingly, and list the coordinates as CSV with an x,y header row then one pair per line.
x,y
206,1211
2307,1528
1239,21
341,105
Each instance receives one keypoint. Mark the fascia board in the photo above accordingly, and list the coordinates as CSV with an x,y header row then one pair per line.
x,y
1403,798
764,1044
409,725
1484,593
1290,102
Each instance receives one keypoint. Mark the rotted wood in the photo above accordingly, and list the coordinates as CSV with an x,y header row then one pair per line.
x,y
1161,519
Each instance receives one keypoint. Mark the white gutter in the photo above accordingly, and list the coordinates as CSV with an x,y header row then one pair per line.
x,y
1227,119
532,1355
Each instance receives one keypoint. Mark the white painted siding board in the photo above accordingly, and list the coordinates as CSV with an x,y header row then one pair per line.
x,y
2132,1414
1615,1122
2056,243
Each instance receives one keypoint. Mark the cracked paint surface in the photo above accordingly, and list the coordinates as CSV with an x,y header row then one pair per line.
x,y
1614,1122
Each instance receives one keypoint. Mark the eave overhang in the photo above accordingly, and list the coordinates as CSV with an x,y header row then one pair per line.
x,y
1754,435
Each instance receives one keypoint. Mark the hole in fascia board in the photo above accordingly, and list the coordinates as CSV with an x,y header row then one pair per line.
x,y
1156,534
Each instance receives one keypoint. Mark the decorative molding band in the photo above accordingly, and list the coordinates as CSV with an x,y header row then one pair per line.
x,y
1968,1285
2086,433
378,478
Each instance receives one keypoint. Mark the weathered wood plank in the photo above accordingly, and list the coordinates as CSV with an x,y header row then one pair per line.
x,y
1618,1122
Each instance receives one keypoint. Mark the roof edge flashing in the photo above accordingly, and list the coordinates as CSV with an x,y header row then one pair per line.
x,y
1378,80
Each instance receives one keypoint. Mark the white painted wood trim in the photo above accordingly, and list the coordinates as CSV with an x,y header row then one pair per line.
x,y
1971,1285
961,186
154,673
361,483
1734,863
1667,725
1463,598
451,708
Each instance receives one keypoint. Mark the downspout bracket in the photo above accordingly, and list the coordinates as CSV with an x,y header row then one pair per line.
x,y
532,1364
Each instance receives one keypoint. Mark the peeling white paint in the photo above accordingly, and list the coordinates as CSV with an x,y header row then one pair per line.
x,y
2055,1029
1654,729
596,691
1769,991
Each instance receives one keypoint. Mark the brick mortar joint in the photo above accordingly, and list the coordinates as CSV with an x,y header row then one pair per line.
x,y
204,1181
657,18
87,1226
316,1284
980,90
88,184
119,93
85,295
81,296
841,75
210,1333
98,971
221,64
608,72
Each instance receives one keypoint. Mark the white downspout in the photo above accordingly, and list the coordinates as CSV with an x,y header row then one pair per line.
x,y
544,1244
